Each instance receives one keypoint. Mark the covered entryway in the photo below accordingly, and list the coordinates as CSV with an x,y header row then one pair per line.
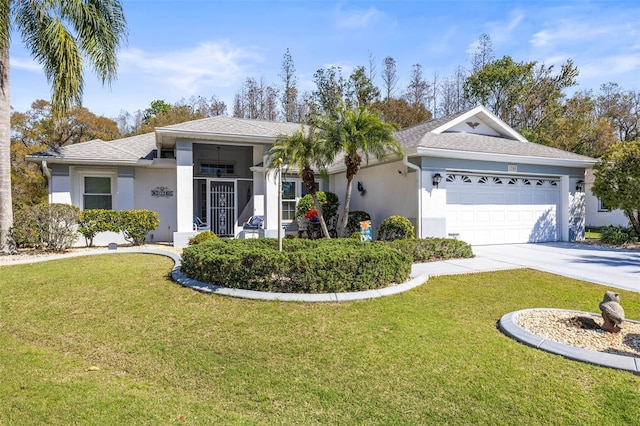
x,y
493,209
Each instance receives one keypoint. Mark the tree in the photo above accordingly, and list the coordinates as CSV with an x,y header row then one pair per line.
x,y
575,127
418,89
622,109
362,90
39,126
304,152
499,86
357,133
389,77
452,93
401,113
255,100
617,180
63,36
289,89
483,54
331,88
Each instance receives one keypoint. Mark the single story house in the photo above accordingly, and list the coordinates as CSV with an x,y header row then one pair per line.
x,y
468,176
598,213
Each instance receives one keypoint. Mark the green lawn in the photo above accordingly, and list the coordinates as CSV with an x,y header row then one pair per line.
x,y
167,354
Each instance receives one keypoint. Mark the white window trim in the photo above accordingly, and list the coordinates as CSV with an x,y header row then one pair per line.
x,y
79,186
601,207
298,195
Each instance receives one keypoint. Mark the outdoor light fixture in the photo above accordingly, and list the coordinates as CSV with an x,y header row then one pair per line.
x,y
361,188
436,179
580,186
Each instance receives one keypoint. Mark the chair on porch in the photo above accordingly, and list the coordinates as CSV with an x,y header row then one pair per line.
x,y
253,225
199,225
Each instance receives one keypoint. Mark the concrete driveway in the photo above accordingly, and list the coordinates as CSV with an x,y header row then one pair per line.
x,y
607,266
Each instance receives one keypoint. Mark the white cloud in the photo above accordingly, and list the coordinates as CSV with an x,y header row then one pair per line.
x,y
209,64
25,64
567,31
611,66
501,32
357,18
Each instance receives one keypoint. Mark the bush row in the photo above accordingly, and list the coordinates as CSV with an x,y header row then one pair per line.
x,y
304,266
46,226
617,235
134,224
56,226
432,249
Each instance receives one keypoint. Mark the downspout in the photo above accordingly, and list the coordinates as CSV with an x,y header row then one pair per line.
x,y
406,162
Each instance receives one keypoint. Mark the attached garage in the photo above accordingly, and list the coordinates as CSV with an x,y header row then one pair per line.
x,y
497,209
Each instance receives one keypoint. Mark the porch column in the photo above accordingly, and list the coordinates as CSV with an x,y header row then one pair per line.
x,y
184,186
271,204
434,204
562,217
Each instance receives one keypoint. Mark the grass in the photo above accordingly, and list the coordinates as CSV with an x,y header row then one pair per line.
x,y
167,354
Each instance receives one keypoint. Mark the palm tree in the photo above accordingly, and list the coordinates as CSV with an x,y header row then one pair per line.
x,y
62,35
357,133
304,152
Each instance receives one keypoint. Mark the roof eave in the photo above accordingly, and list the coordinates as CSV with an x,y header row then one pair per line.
x,y
501,158
170,137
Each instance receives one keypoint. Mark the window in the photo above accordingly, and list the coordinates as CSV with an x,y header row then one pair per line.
x,y
97,193
292,190
602,207
289,200
217,169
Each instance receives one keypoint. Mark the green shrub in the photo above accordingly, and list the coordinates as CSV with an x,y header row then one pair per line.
x,y
46,226
136,224
617,235
202,237
304,266
395,228
432,249
353,223
94,221
328,200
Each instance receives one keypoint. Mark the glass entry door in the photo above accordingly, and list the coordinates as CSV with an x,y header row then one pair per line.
x,y
222,208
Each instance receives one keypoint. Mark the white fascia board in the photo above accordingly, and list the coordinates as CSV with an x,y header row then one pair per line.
x,y
502,158
218,137
82,161
504,127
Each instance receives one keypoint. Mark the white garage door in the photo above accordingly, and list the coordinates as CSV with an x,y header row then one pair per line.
x,y
502,209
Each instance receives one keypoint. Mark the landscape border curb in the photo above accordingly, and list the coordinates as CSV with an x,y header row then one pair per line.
x,y
510,328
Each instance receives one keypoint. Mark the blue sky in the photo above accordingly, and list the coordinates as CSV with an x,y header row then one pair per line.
x,y
177,49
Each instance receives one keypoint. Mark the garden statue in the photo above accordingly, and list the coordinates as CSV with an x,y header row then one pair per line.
x,y
612,312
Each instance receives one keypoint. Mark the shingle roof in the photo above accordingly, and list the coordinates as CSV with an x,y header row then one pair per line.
x,y
124,150
469,142
222,124
421,135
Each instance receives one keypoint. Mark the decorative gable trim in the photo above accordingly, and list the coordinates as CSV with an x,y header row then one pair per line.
x,y
480,115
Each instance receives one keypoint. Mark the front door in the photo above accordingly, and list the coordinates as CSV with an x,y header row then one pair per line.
x,y
222,208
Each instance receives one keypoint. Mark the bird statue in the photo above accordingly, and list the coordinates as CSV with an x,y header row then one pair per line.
x,y
612,312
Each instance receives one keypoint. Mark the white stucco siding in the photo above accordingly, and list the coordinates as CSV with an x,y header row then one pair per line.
x,y
148,179
597,216
390,190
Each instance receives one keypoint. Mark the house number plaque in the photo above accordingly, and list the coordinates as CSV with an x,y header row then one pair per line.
x,y
161,192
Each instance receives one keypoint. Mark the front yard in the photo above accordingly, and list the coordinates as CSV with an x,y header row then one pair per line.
x,y
111,340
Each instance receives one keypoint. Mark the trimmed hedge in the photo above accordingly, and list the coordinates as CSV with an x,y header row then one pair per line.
x,y
617,235
202,237
46,226
396,228
134,224
304,266
432,249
